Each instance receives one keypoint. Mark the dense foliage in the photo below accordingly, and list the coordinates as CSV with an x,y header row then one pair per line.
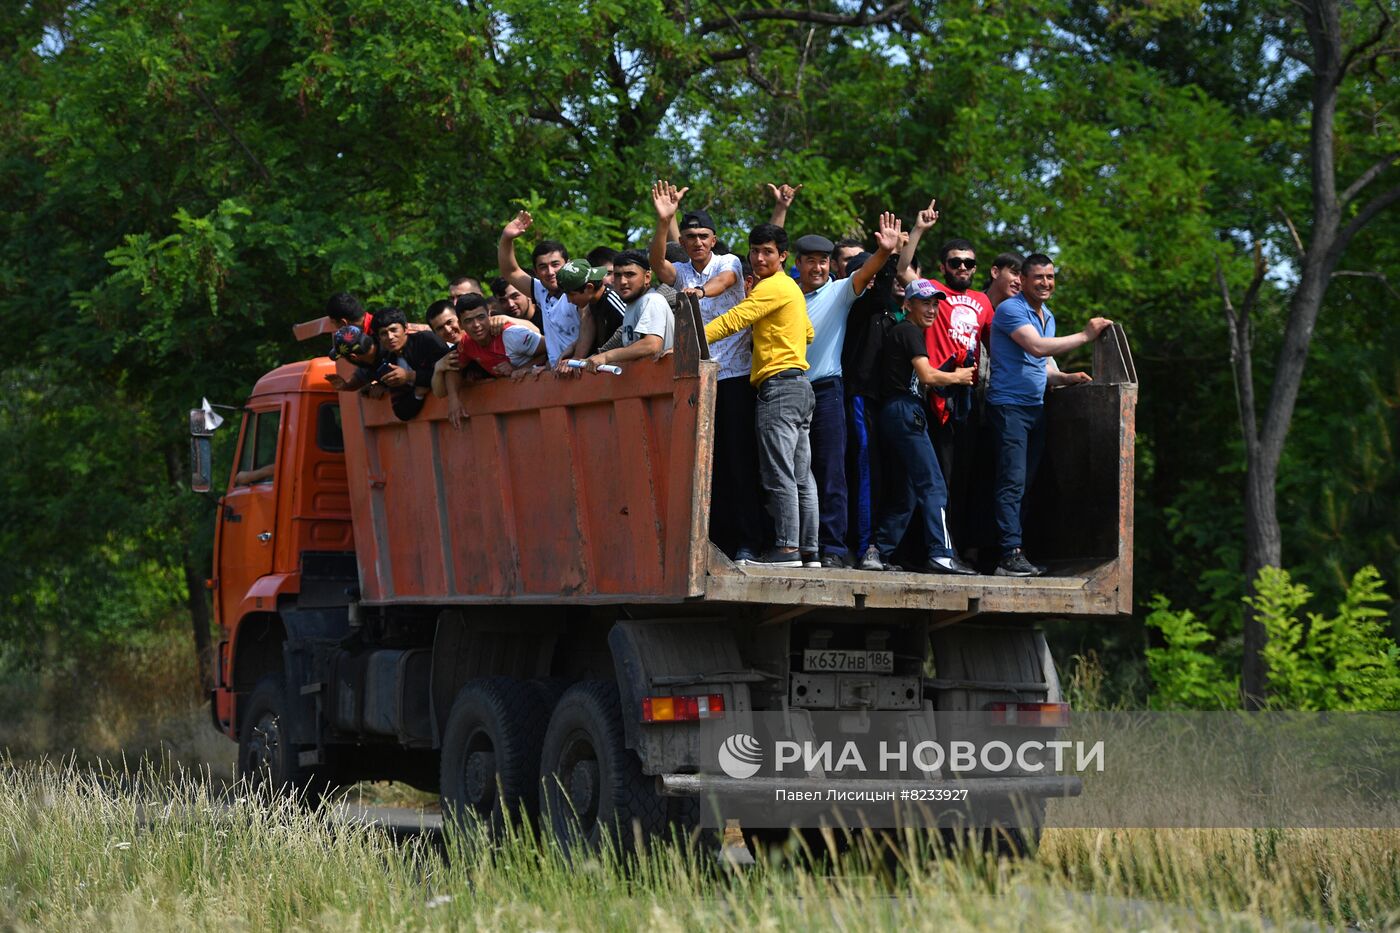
x,y
181,180
1316,662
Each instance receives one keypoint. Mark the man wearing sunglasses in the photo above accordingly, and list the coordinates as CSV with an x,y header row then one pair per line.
x,y
956,338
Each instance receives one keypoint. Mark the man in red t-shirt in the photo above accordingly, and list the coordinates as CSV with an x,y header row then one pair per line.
x,y
483,353
958,337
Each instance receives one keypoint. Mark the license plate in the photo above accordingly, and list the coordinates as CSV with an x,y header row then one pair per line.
x,y
847,662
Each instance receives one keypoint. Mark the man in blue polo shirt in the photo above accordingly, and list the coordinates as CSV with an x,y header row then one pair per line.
x,y
1023,341
828,305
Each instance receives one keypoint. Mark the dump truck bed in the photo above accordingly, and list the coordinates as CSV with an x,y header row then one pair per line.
x,y
596,489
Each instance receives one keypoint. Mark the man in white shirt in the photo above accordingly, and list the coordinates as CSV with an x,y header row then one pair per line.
x,y
718,282
567,330
648,326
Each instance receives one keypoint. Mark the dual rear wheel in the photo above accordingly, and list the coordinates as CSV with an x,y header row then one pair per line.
x,y
517,749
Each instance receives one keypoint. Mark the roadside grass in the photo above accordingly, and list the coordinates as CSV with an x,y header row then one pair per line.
x,y
164,849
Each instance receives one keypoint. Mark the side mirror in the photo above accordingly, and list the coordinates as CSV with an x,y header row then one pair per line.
x,y
203,424
201,463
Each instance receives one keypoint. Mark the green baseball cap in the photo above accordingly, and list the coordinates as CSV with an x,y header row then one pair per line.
x,y
576,273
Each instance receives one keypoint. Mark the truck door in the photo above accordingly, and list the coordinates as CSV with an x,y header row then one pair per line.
x,y
248,511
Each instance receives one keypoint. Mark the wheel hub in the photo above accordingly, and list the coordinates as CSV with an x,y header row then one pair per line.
x,y
583,789
480,779
263,743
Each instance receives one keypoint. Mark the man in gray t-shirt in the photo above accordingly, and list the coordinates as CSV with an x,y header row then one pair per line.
x,y
648,326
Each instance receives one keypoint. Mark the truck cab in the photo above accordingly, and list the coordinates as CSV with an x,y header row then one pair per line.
x,y
284,541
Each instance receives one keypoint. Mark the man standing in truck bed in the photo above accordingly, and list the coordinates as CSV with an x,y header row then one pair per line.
x,y
717,282
915,479
777,313
1023,339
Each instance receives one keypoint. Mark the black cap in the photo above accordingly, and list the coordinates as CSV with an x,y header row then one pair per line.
x,y
813,243
693,220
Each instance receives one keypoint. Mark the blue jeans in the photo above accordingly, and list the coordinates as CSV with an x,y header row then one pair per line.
x,y
1019,433
863,469
829,463
782,420
915,479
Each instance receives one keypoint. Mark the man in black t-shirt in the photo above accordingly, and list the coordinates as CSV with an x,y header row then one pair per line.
x,y
870,314
915,479
408,360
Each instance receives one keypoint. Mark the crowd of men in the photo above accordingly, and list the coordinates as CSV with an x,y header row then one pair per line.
x,y
866,415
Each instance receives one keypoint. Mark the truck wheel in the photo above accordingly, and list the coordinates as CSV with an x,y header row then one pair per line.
x,y
594,788
491,752
267,759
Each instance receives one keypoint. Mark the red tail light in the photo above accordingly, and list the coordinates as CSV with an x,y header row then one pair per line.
x,y
1045,715
683,709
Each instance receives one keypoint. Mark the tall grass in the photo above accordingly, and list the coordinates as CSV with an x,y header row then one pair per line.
x,y
83,848
84,845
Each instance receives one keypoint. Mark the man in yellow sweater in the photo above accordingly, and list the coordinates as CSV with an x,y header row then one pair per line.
x,y
776,312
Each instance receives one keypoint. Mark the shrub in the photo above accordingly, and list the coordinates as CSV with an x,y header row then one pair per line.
x,y
1345,662
1183,675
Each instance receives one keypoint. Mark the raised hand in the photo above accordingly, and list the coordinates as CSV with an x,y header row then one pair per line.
x,y
927,217
519,225
784,194
889,232
666,198
1096,326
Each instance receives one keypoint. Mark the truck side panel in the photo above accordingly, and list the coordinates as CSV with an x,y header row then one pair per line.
x,y
583,489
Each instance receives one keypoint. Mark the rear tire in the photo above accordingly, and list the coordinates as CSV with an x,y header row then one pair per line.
x,y
267,759
491,753
593,785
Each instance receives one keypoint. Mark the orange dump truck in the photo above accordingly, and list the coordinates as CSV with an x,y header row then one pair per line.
x,y
532,600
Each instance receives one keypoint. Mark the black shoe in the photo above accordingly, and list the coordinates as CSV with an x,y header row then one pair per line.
x,y
776,557
809,559
1016,565
833,562
950,565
